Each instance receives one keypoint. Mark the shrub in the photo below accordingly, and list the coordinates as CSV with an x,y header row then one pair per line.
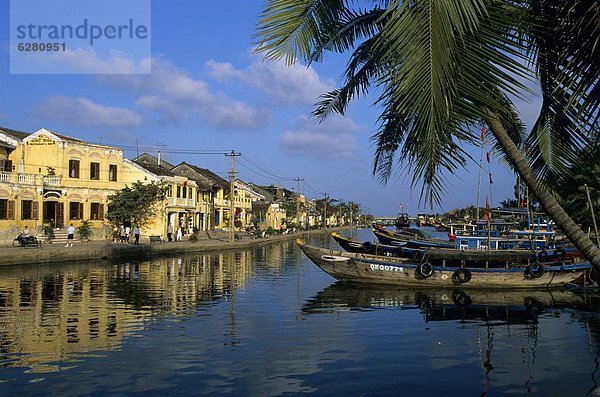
x,y
84,232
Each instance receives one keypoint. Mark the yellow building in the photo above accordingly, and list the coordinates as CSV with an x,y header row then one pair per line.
x,y
55,180
181,206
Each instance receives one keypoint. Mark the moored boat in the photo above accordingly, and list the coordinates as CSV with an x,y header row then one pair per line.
x,y
366,247
366,268
388,238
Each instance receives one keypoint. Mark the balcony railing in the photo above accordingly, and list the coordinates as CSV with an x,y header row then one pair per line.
x,y
52,180
184,202
17,178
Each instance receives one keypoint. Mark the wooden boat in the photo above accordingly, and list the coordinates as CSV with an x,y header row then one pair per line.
x,y
367,247
366,268
455,257
402,220
389,238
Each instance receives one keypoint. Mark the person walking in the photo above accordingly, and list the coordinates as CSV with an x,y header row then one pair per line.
x,y
179,233
127,234
136,234
170,232
70,235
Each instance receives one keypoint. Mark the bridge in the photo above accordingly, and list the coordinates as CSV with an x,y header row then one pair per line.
x,y
389,220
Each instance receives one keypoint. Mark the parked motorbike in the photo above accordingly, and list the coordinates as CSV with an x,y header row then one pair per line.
x,y
26,241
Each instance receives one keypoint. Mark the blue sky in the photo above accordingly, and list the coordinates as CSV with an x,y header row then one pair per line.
x,y
208,91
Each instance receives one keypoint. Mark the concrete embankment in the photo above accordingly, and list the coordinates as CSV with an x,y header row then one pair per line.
x,y
94,250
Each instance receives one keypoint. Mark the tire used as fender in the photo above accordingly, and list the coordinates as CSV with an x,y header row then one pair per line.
x,y
424,270
367,247
536,270
462,276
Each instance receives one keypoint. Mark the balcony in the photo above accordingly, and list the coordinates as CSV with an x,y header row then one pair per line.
x,y
17,178
182,202
52,180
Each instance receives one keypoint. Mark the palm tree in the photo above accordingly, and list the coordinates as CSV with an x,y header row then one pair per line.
x,y
444,68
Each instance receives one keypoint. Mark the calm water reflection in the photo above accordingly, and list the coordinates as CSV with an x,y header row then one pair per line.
x,y
268,322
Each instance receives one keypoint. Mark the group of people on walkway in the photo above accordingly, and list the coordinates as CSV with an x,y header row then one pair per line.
x,y
178,233
122,234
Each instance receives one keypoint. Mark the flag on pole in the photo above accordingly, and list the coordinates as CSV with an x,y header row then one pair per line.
x,y
487,155
483,133
488,212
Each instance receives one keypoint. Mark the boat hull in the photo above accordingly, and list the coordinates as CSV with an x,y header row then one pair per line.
x,y
364,268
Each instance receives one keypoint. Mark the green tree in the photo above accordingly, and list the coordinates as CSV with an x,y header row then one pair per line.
x,y
443,67
137,203
571,187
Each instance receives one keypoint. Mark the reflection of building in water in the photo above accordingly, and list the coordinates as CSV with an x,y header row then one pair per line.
x,y
51,316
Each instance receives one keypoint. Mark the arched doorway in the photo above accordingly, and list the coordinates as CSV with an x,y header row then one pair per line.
x,y
53,211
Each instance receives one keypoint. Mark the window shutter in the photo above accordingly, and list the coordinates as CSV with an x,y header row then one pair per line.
x,y
101,211
11,209
8,165
35,210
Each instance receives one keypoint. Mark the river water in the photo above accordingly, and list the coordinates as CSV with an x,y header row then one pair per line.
x,y
267,322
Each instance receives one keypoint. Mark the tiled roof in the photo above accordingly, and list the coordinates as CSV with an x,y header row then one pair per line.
x,y
207,174
155,168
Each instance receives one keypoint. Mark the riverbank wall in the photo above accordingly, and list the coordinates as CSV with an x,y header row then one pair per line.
x,y
101,250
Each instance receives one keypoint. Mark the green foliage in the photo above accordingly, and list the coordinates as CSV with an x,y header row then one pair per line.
x,y
48,232
194,237
571,187
84,232
438,68
289,205
137,203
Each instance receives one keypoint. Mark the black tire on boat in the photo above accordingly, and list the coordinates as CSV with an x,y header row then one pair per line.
x,y
425,270
536,270
368,247
560,253
462,276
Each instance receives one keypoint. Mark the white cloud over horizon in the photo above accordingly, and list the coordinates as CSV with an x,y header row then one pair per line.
x,y
87,61
174,93
83,112
291,85
331,139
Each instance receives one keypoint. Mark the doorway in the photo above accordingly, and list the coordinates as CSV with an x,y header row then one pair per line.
x,y
53,214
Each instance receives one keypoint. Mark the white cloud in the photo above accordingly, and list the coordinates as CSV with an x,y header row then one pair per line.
x,y
332,139
85,113
174,93
87,61
294,84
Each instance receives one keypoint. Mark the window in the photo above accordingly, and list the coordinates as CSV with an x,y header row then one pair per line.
x,y
96,211
190,192
29,209
6,165
112,172
95,171
178,191
7,209
74,168
75,210
184,192
169,191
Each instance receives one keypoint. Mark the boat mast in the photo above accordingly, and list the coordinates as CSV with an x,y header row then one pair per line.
x,y
480,169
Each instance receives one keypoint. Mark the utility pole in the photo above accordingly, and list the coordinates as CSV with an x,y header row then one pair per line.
x,y
298,180
233,155
325,211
